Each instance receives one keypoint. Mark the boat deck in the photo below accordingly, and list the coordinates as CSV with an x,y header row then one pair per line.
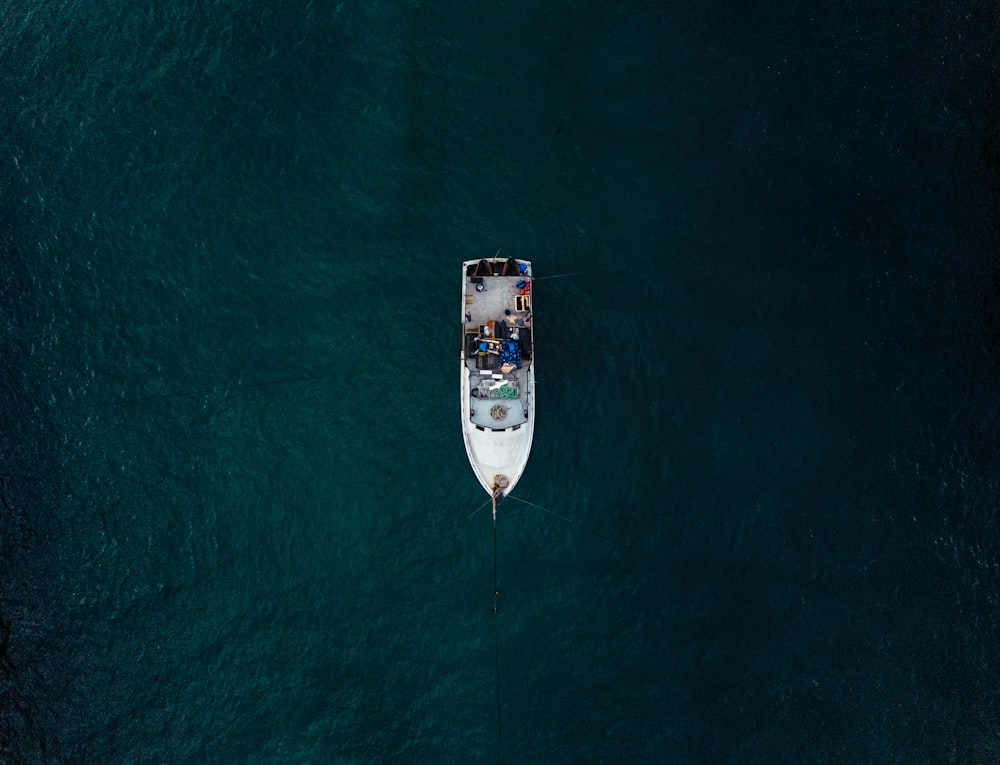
x,y
498,295
497,344
499,401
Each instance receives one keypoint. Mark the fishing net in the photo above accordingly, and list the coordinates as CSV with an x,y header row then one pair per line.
x,y
506,389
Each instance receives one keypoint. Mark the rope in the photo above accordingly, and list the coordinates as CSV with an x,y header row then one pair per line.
x,y
557,276
496,644
539,507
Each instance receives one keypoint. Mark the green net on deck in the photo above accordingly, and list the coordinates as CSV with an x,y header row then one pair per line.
x,y
498,389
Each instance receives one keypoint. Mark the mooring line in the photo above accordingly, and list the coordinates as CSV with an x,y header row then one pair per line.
x,y
557,276
539,507
479,508
496,643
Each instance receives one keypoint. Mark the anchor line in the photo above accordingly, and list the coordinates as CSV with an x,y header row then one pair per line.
x,y
496,589
496,640
558,276
539,507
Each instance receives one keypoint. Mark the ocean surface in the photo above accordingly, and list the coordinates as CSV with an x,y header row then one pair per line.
x,y
237,522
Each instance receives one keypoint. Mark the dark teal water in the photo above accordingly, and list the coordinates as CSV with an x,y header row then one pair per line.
x,y
235,503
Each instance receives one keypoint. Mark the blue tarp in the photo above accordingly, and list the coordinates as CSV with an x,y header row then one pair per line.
x,y
510,353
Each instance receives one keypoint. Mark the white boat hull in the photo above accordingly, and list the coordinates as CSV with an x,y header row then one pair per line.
x,y
497,398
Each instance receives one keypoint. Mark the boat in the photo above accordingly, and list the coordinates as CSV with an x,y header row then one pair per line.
x,y
498,371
